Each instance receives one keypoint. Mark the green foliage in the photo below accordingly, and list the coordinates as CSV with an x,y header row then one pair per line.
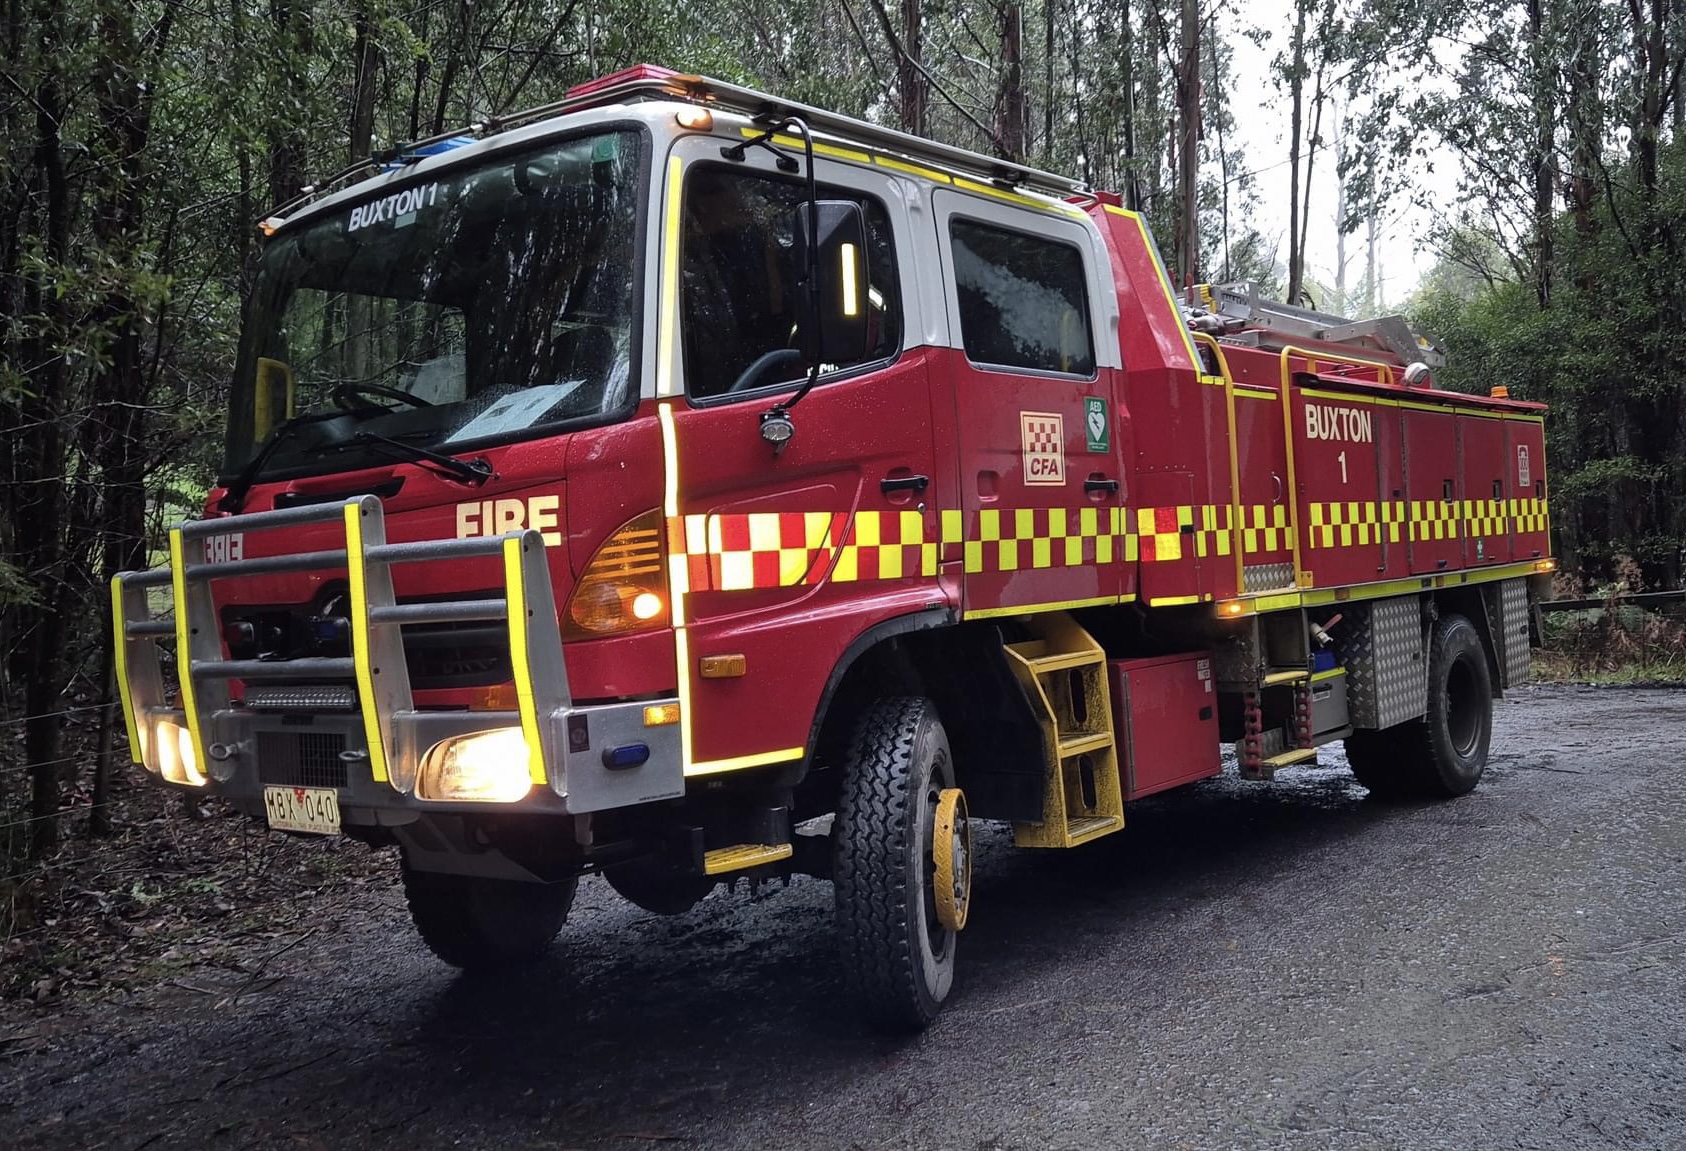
x,y
1604,354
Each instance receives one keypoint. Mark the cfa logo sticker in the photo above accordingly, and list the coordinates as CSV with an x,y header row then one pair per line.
x,y
1043,437
1524,473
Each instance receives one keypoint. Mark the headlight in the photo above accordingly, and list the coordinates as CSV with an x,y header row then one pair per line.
x,y
486,767
176,760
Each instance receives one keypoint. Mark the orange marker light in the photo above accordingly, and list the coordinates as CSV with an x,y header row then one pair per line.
x,y
696,119
661,714
723,666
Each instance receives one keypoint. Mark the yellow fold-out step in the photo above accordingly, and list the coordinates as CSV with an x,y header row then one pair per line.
x,y
744,856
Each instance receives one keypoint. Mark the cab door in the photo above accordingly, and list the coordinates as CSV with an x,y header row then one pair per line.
x,y
789,553
1032,375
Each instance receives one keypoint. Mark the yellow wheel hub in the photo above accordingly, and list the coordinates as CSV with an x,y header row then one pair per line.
x,y
951,852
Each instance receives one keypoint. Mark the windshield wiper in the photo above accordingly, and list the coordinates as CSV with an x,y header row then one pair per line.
x,y
463,471
241,485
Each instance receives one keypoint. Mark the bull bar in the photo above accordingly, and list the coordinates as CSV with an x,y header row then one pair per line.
x,y
568,749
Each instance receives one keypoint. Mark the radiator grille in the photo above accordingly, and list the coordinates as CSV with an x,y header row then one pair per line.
x,y
301,758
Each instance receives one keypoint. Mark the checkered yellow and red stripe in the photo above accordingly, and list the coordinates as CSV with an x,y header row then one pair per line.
x,y
739,552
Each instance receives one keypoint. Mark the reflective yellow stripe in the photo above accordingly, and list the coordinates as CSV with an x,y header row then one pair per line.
x,y
360,641
120,652
1254,394
1034,608
820,149
1175,600
515,601
923,173
678,575
665,343
736,763
1254,605
184,647
1058,207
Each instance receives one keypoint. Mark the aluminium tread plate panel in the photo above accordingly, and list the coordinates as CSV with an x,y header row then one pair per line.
x,y
1382,648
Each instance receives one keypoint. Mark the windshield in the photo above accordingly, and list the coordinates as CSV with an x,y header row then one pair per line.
x,y
479,304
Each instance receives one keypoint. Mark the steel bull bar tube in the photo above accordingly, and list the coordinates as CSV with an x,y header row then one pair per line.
x,y
177,743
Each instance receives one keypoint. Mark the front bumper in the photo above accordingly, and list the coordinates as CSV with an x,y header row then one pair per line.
x,y
353,725
251,750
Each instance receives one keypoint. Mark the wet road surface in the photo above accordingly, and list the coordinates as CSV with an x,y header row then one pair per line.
x,y
1247,966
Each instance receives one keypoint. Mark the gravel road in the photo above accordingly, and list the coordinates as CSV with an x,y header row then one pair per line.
x,y
1288,965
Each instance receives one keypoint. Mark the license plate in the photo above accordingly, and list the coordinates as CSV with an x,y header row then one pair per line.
x,y
310,809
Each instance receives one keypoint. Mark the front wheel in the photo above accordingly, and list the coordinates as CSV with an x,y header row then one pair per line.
x,y
485,924
898,956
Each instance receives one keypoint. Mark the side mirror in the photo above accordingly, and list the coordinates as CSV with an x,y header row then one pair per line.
x,y
841,287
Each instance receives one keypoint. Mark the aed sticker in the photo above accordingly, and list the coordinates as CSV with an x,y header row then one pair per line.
x,y
1042,435
1094,424
1203,672
1524,469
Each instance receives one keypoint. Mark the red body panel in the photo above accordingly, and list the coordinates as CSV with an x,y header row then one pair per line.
x,y
1013,522
791,556
1431,490
1165,710
1486,490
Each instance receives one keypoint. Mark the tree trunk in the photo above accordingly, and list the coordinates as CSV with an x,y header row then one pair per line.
x,y
1188,152
1050,9
1127,52
1012,113
366,60
40,503
1296,95
1544,157
910,81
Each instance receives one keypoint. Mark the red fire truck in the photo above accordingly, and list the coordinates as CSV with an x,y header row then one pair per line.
x,y
682,484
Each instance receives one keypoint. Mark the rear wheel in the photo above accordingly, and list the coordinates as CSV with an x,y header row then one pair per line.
x,y
898,957
1449,752
1444,753
485,924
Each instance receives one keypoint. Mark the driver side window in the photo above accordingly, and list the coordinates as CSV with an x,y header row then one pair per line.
x,y
740,301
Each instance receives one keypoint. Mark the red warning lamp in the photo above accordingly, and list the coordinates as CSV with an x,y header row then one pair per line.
x,y
638,73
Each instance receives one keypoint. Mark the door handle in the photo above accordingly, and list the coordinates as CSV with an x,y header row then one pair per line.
x,y
904,484
1100,485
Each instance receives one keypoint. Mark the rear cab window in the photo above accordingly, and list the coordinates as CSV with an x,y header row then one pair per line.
x,y
1023,300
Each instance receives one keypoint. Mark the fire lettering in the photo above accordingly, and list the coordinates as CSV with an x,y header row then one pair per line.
x,y
1353,425
497,517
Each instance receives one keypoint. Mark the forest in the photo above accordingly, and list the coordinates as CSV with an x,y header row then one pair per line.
x,y
142,140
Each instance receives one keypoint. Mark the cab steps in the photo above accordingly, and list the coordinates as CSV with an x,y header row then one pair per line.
x,y
1063,671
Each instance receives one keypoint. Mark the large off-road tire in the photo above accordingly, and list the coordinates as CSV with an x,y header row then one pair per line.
x,y
1449,753
657,886
898,959
1443,754
485,924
